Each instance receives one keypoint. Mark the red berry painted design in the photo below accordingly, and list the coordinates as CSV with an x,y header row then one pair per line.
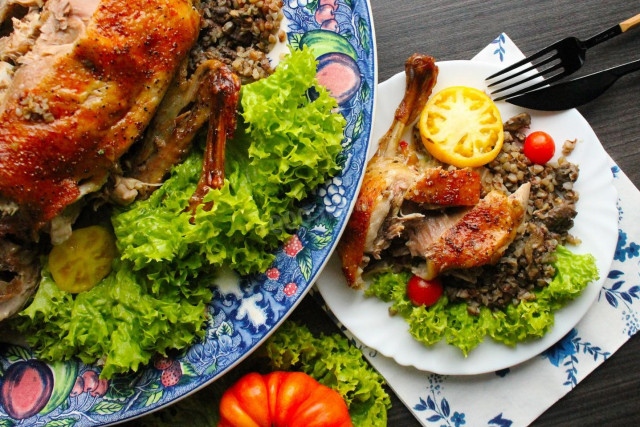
x,y
78,387
273,273
332,3
162,362
290,289
330,25
324,13
172,375
91,381
101,390
292,246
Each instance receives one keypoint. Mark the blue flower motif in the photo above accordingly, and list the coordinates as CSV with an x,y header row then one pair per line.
x,y
622,240
458,419
631,322
615,170
622,252
566,353
615,293
500,50
333,197
620,210
440,412
499,420
226,344
202,354
562,349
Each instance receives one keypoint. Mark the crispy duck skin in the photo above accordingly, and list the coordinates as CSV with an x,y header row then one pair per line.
x,y
438,187
479,237
387,177
96,90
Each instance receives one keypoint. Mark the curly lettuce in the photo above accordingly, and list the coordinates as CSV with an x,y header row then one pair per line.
x,y
331,361
453,323
286,144
120,319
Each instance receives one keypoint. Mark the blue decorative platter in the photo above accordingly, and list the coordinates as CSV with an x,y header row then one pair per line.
x,y
245,310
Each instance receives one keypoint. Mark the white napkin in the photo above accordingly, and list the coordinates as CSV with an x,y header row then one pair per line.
x,y
517,396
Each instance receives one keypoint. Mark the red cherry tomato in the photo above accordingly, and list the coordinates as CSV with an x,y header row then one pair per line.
x,y
424,292
539,147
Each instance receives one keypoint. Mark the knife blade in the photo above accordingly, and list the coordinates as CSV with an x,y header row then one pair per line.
x,y
575,92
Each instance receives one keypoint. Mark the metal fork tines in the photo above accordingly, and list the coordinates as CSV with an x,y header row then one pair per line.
x,y
551,63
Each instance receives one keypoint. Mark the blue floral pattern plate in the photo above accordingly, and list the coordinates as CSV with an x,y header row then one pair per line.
x,y
245,310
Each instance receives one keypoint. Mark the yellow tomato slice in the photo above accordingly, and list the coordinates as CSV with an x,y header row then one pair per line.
x,y
83,260
461,126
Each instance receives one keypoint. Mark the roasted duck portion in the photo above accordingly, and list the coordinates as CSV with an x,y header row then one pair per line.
x,y
81,96
429,219
79,82
470,238
209,96
387,177
395,174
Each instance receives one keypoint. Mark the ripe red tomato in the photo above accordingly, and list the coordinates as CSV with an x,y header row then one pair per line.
x,y
282,399
539,147
424,292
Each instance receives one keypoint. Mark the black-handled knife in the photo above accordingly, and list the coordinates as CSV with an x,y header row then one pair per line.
x,y
575,92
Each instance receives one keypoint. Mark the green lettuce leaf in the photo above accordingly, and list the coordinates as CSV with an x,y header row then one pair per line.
x,y
392,287
119,318
331,361
452,322
573,273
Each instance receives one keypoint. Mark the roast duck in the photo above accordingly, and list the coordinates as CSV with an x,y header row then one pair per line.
x,y
80,84
432,214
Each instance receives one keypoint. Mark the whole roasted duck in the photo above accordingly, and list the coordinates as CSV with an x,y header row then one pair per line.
x,y
403,197
80,81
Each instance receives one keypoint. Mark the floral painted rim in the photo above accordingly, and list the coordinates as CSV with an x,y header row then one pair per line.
x,y
245,310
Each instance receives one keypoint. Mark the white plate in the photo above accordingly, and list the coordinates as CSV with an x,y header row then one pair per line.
x,y
595,224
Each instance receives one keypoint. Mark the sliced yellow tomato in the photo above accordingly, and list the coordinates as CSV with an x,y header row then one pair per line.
x,y
83,260
461,126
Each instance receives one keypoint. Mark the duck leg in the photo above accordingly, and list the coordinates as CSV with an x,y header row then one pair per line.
x,y
225,88
387,178
210,96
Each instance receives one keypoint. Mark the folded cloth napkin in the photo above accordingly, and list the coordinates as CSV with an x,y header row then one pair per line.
x,y
499,399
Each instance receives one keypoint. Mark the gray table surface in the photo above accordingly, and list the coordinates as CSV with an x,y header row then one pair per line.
x,y
458,30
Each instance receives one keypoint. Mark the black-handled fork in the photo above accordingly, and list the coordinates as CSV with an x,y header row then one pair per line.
x,y
561,58
575,92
